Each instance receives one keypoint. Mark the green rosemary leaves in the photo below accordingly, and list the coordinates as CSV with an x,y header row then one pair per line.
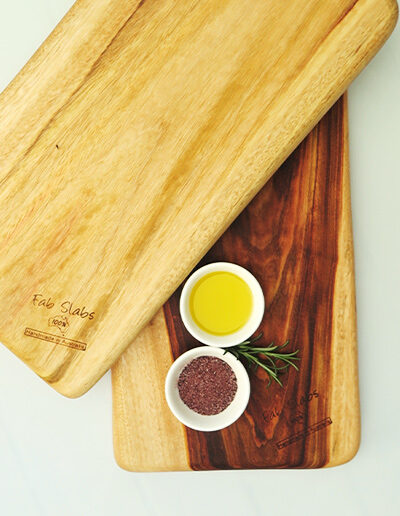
x,y
273,359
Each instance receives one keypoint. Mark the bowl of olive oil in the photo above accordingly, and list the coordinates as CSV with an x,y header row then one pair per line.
x,y
222,304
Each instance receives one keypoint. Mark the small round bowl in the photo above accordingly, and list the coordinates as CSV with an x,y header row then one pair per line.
x,y
223,341
197,421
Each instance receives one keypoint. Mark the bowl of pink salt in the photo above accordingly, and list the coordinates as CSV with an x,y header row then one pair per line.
x,y
207,389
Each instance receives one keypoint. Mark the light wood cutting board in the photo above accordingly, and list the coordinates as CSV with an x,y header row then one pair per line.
x,y
296,238
133,138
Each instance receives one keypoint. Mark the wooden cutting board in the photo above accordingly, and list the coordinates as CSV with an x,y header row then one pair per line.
x,y
133,138
296,238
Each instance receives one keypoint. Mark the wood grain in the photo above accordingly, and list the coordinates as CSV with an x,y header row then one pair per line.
x,y
133,138
158,438
296,238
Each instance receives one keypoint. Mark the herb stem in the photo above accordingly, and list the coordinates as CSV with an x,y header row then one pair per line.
x,y
271,358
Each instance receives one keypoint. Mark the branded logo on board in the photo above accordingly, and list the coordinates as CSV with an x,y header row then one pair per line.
x,y
60,322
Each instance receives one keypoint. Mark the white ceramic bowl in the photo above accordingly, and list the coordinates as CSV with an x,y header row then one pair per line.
x,y
245,331
197,421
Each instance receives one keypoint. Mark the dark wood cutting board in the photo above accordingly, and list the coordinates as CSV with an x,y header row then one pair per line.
x,y
296,238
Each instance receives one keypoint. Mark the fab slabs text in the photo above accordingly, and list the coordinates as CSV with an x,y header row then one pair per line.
x,y
66,307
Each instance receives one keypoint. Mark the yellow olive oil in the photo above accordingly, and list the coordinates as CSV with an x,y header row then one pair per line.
x,y
221,303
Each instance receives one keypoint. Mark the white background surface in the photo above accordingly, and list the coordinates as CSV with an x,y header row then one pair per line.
x,y
56,455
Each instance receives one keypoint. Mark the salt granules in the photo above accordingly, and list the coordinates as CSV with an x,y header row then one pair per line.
x,y
207,385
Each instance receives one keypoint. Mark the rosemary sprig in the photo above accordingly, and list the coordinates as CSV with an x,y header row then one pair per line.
x,y
271,358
